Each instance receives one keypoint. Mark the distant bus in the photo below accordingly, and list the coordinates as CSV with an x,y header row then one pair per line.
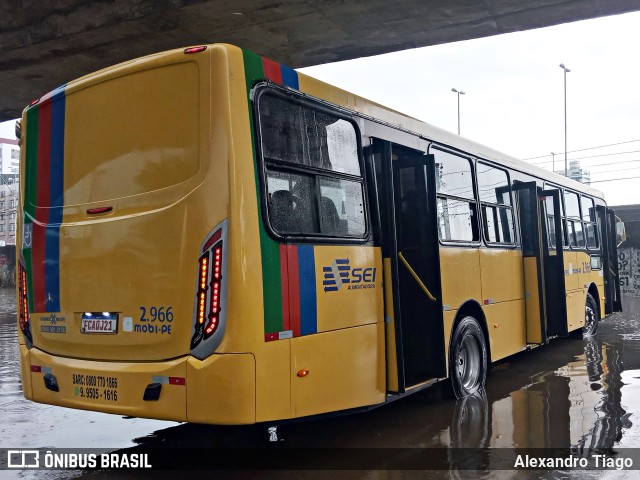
x,y
209,236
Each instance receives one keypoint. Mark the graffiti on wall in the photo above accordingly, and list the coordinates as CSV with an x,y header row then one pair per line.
x,y
629,270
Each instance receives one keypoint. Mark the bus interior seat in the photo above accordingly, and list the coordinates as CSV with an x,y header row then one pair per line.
x,y
330,221
281,211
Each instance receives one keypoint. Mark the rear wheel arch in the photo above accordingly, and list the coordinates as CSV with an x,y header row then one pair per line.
x,y
473,309
593,290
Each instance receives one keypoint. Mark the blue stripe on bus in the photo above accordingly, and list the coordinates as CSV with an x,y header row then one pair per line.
x,y
289,77
308,299
56,192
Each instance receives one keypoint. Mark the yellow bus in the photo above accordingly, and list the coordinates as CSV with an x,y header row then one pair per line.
x,y
209,236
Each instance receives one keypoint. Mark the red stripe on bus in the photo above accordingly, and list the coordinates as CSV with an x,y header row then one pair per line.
x,y
272,70
294,290
42,211
284,280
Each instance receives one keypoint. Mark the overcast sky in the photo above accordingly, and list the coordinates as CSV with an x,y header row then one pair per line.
x,y
514,88
514,93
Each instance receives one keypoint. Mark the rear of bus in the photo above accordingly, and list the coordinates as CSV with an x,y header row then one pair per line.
x,y
123,237
149,284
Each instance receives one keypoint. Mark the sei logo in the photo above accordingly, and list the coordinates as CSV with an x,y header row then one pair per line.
x,y
340,273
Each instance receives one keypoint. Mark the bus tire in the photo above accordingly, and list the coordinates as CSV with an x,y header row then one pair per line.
x,y
591,317
467,358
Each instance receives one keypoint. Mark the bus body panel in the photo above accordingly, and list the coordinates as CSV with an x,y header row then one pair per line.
x,y
575,309
338,370
136,293
506,327
390,329
358,299
112,387
580,276
572,279
503,303
144,172
502,275
221,389
25,369
532,294
463,281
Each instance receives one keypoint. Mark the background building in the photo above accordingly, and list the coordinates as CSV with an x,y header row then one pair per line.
x,y
575,172
9,156
8,209
9,183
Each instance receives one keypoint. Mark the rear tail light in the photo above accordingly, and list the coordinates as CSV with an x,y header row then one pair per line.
x,y
202,290
198,49
215,286
23,304
209,294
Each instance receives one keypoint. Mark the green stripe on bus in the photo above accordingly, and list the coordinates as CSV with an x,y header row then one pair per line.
x,y
270,250
30,194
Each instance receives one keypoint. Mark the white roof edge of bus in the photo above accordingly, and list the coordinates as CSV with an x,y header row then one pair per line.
x,y
445,137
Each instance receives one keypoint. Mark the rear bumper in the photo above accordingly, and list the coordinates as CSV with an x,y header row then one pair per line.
x,y
220,389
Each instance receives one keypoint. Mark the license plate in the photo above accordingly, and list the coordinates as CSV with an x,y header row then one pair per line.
x,y
99,323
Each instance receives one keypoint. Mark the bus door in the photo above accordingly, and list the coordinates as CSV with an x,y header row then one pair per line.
x,y
553,259
407,199
607,223
541,231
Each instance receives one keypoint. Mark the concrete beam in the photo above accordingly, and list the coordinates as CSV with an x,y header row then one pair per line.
x,y
45,43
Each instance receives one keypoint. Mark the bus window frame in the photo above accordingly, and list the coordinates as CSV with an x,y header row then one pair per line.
x,y
590,222
270,89
565,229
472,161
514,216
575,219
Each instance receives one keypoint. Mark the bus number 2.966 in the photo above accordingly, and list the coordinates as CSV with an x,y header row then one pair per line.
x,y
156,314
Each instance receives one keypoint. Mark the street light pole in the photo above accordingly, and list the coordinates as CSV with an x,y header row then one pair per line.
x,y
459,92
566,70
553,162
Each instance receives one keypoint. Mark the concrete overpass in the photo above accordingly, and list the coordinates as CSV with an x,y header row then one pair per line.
x,y
46,43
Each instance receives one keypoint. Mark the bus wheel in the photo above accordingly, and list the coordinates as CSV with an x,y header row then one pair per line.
x,y
467,358
591,317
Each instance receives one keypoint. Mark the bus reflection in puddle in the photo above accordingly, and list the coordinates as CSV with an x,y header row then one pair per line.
x,y
577,405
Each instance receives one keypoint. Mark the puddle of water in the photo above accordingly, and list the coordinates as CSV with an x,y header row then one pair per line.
x,y
571,393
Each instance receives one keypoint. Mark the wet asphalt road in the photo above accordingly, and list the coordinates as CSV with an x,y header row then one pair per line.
x,y
576,393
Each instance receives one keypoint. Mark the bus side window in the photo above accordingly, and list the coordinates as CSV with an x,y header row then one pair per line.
x,y
313,173
574,219
457,208
589,220
290,202
495,196
551,226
